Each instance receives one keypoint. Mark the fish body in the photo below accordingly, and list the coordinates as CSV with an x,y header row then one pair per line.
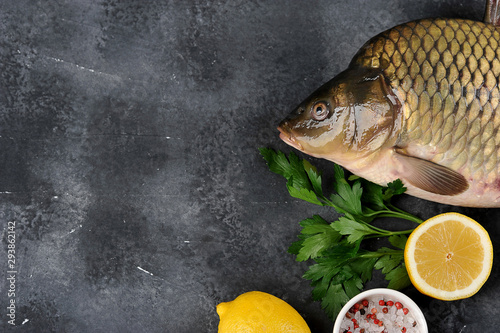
x,y
418,102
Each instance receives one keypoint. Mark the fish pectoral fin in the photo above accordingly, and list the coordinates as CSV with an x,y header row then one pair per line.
x,y
492,13
431,177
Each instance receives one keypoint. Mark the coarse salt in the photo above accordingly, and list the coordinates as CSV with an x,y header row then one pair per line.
x,y
369,316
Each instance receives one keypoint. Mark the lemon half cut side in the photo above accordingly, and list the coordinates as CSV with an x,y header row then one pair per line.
x,y
449,256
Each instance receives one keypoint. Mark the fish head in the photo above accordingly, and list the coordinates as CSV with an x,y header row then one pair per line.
x,y
350,117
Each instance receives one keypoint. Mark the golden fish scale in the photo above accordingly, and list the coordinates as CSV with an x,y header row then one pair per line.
x,y
446,73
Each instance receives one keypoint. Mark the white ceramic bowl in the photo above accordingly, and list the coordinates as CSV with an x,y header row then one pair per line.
x,y
386,293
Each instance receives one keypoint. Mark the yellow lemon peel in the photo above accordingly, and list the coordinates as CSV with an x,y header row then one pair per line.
x,y
256,311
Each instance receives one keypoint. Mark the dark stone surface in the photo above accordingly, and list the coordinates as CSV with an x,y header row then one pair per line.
x,y
129,136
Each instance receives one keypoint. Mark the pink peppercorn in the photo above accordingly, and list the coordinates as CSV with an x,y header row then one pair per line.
x,y
390,303
399,305
381,323
405,311
354,320
356,326
403,329
385,310
368,316
356,306
381,302
374,310
376,321
364,302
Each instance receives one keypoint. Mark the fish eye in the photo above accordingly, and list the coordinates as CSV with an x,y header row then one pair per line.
x,y
319,111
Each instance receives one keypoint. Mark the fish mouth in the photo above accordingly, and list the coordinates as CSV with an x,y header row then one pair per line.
x,y
287,136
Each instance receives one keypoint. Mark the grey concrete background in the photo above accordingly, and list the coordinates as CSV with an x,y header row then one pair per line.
x,y
129,136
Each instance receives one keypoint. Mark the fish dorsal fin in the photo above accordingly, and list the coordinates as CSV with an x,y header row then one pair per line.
x,y
429,176
492,14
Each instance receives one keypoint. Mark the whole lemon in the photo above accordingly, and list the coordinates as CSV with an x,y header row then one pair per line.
x,y
256,311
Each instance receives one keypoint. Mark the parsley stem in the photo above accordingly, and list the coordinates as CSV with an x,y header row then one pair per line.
x,y
391,213
390,233
377,254
387,233
409,216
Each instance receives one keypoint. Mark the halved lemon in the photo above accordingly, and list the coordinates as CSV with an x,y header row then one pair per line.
x,y
449,256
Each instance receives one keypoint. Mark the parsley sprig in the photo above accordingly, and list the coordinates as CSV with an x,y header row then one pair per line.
x,y
342,266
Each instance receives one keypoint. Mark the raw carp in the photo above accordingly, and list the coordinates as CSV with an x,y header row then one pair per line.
x,y
419,102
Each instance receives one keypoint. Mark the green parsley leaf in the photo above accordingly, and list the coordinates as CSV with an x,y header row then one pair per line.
x,y
394,188
291,168
302,193
303,180
389,260
318,236
348,198
353,229
314,177
334,299
353,286
296,247
398,241
364,267
313,225
277,162
373,195
398,278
